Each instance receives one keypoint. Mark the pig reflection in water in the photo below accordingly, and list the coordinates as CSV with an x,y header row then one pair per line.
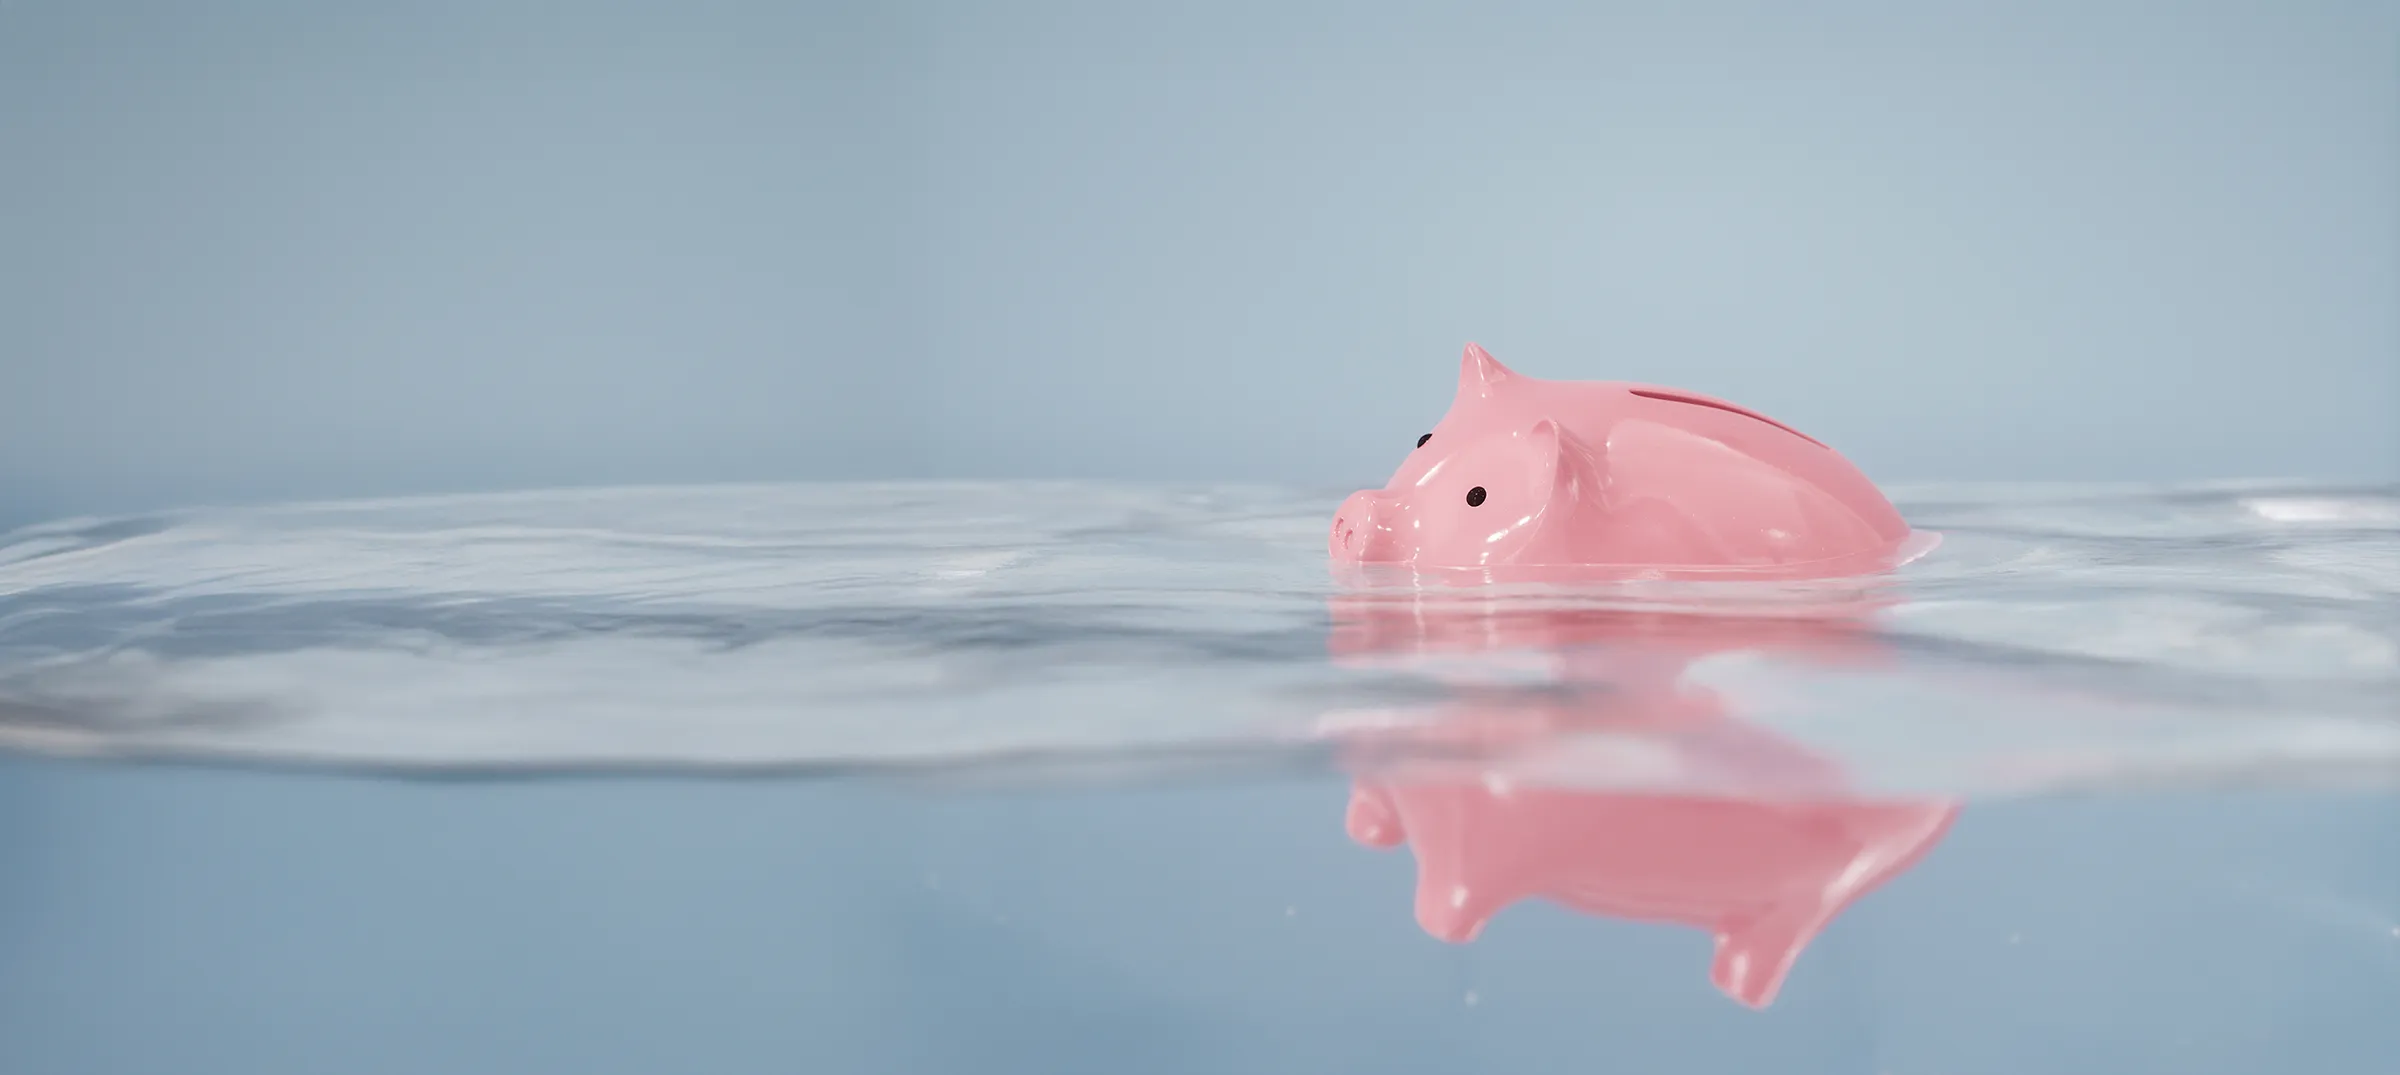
x,y
1708,822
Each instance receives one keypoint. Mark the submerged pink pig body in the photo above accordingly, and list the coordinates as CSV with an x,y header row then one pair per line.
x,y
1631,479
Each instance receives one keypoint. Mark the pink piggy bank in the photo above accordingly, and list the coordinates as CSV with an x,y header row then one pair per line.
x,y
1632,480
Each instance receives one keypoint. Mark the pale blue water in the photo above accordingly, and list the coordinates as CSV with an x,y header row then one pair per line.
x,y
1051,777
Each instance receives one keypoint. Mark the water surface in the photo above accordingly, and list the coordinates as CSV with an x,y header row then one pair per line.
x,y
1067,777
2058,634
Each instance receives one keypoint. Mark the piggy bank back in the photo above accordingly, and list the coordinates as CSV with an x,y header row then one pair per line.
x,y
1639,481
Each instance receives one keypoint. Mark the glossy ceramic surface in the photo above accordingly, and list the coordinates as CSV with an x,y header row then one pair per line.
x,y
1524,472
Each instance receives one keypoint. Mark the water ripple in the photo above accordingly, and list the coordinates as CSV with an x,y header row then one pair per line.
x,y
2061,636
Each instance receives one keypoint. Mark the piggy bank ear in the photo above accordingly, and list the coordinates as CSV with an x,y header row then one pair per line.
x,y
1480,375
1753,961
1373,821
1574,466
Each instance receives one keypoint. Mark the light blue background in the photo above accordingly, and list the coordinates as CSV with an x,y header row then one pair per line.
x,y
268,250
264,250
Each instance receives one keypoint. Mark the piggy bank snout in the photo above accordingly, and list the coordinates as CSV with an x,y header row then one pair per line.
x,y
1358,524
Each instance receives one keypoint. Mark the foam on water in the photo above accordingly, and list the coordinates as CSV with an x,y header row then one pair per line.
x,y
2060,636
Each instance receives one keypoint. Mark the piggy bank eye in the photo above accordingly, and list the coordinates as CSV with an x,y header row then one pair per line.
x,y
1475,497
1421,440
